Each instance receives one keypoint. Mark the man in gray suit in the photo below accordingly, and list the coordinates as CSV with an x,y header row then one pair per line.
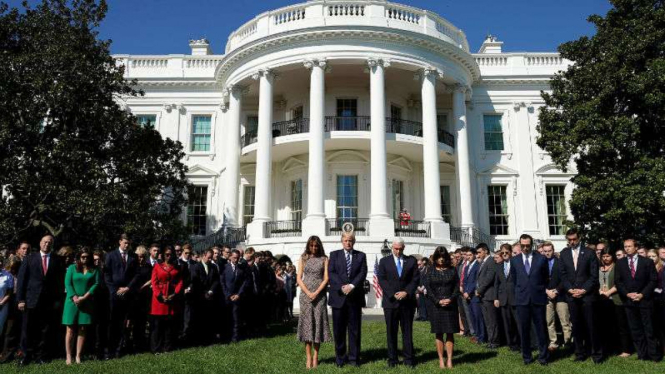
x,y
487,294
505,297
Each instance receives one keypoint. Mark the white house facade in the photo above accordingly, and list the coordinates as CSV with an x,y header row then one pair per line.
x,y
332,111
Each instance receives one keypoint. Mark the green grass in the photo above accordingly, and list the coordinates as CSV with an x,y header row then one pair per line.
x,y
283,354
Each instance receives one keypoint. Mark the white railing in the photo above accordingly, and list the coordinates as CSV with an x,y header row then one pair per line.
x,y
403,14
544,60
290,15
339,10
247,30
202,63
492,61
150,63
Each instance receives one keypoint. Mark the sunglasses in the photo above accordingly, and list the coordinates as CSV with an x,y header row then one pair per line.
x,y
505,253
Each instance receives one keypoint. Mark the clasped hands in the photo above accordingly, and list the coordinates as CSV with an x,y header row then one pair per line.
x,y
577,292
445,302
347,288
79,299
122,291
635,296
400,295
551,294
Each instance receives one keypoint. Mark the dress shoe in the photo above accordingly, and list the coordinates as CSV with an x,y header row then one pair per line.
x,y
542,362
515,349
492,346
598,360
339,364
579,359
552,348
410,365
23,361
473,340
528,362
354,364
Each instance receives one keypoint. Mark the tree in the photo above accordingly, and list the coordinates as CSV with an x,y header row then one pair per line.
x,y
73,163
607,114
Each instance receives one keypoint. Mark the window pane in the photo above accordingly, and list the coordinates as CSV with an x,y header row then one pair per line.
x,y
445,204
248,210
347,197
398,197
196,209
493,132
201,133
146,120
556,209
498,210
296,200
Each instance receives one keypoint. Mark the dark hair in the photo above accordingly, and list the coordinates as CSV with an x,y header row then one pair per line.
x,y
608,251
89,263
506,246
24,242
125,237
526,236
236,252
154,245
483,246
573,231
441,252
472,250
207,250
320,252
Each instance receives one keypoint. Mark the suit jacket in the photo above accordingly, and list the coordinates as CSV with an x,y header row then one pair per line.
x,y
202,282
233,284
391,282
39,290
471,281
586,275
504,286
645,281
530,288
338,278
554,281
117,274
486,275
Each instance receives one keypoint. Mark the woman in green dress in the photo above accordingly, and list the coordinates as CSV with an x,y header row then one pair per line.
x,y
81,281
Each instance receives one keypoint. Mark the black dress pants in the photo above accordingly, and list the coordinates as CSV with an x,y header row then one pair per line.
x,y
510,326
347,319
119,332
396,318
163,334
641,329
582,317
39,329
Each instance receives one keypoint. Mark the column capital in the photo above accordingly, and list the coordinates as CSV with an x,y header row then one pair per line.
x,y
463,89
235,89
378,61
268,73
428,71
168,107
310,63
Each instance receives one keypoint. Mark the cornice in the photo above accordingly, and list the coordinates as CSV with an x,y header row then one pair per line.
x,y
176,83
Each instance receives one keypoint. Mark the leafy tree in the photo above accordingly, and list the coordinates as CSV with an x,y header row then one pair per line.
x,y
607,114
72,162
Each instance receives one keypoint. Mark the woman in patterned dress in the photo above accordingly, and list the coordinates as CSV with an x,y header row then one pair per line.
x,y
313,327
442,286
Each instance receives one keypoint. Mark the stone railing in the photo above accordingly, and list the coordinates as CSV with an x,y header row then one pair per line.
x,y
180,66
322,13
520,63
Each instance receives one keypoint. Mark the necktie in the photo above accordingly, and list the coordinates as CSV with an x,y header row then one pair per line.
x,y
233,267
527,265
124,259
505,269
44,264
461,278
632,266
399,267
205,267
576,253
348,264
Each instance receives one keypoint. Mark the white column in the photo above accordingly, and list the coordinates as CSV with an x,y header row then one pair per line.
x,y
232,156
462,156
527,196
262,200
431,174
380,223
315,222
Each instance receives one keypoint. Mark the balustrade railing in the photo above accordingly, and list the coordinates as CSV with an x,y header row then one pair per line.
x,y
471,236
334,226
338,10
283,229
361,123
283,128
412,229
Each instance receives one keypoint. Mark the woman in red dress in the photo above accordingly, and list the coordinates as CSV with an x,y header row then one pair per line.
x,y
166,302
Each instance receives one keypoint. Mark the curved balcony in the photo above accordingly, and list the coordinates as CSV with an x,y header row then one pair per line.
x,y
326,13
360,123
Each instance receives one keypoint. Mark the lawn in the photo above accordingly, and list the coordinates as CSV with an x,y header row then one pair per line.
x,y
283,354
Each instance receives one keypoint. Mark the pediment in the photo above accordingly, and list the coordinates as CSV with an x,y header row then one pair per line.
x,y
401,163
551,169
292,164
500,170
201,171
347,157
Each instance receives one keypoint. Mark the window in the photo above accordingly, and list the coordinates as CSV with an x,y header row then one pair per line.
x,y
398,197
201,133
556,209
297,113
144,120
347,108
442,122
395,120
296,200
196,209
445,204
347,198
498,210
248,210
493,132
252,125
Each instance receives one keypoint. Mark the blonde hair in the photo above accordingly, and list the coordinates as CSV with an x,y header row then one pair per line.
x,y
349,235
141,250
658,262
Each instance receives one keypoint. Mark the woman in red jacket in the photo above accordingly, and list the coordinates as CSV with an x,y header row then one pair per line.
x,y
166,302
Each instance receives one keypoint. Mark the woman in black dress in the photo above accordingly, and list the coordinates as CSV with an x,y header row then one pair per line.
x,y
442,285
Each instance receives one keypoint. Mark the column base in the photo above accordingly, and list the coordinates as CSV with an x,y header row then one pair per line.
x,y
382,227
314,225
439,229
256,230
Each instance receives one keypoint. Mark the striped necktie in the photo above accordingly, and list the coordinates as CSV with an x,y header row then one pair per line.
x,y
348,264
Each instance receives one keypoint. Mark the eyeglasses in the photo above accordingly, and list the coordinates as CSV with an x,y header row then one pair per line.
x,y
525,245
505,253
187,253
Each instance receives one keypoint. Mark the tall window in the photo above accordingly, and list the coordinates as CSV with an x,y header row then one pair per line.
x,y
493,132
442,121
347,108
201,133
445,204
296,200
347,197
395,117
498,210
252,125
144,120
196,209
297,113
248,209
556,209
398,197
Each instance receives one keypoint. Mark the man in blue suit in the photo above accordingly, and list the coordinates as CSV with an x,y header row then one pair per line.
x,y
234,282
530,274
473,301
347,269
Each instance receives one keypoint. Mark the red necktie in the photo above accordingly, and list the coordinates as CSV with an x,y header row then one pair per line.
x,y
44,264
124,259
632,266
461,280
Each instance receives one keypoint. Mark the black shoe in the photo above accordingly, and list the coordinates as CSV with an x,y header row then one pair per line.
x,y
492,346
579,358
40,362
598,360
542,362
339,364
515,349
354,364
528,362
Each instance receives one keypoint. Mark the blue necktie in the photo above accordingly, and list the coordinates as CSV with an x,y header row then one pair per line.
x,y
348,264
527,266
399,267
505,269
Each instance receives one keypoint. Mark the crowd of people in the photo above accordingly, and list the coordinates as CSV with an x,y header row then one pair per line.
x,y
133,300
587,299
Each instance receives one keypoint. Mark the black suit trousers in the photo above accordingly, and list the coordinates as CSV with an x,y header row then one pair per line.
x,y
39,328
641,329
509,326
119,332
236,322
587,339
396,318
347,318
163,333
490,315
526,314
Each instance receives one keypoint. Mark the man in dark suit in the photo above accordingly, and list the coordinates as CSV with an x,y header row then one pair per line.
x,y
635,279
463,306
186,263
579,280
39,296
556,304
471,299
530,277
505,297
233,280
347,269
120,269
205,289
486,293
399,278
252,306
